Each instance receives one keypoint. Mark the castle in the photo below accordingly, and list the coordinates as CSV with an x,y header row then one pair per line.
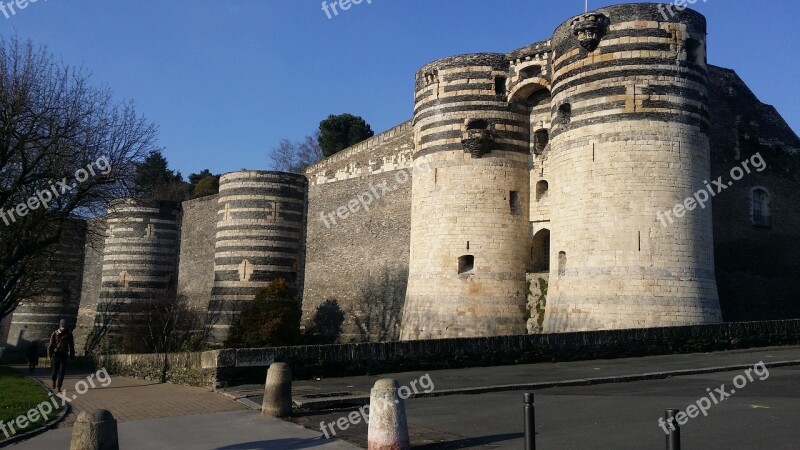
x,y
526,194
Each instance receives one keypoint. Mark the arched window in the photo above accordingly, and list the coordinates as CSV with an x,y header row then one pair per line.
x,y
541,189
541,138
562,263
540,251
760,213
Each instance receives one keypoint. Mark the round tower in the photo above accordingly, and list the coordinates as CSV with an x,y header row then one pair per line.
x,y
469,208
629,149
261,226
36,318
139,258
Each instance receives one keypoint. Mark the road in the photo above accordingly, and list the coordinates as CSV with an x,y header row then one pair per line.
x,y
761,415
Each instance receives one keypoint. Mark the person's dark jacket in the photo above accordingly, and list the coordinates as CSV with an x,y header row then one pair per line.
x,y
61,343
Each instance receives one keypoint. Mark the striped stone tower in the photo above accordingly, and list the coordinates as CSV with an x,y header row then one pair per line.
x,y
469,214
140,254
36,318
629,141
260,238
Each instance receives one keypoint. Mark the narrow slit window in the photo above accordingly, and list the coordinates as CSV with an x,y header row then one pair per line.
x,y
514,202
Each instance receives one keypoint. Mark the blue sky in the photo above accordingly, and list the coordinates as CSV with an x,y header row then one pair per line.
x,y
226,80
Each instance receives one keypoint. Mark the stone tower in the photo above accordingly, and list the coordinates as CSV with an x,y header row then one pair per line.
x,y
261,223
139,257
469,214
36,318
629,140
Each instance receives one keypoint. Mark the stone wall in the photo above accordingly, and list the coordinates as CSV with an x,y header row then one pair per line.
x,y
196,261
470,215
357,241
35,318
758,272
181,368
92,278
250,365
260,237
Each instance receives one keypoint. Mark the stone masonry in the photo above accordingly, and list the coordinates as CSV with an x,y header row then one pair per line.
x,y
526,194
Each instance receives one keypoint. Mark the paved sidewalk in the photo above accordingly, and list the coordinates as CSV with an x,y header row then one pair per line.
x,y
242,430
131,399
167,416
328,392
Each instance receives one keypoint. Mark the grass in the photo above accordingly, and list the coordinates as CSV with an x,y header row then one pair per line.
x,y
18,395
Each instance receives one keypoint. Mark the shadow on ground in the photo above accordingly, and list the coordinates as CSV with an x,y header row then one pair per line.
x,y
471,442
277,444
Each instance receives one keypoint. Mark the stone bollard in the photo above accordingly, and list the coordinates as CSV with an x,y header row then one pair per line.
x,y
95,430
388,429
278,391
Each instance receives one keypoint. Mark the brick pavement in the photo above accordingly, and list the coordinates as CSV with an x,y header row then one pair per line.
x,y
130,399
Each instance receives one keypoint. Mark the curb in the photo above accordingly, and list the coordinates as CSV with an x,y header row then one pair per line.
x,y
350,401
41,429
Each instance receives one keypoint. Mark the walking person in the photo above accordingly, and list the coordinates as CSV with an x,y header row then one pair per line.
x,y
33,356
60,350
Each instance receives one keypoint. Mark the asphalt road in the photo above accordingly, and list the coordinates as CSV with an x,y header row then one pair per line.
x,y
761,415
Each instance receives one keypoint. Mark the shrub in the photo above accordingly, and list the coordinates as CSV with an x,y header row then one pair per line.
x,y
272,319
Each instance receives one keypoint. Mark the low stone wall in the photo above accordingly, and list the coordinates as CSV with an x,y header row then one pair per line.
x,y
182,368
250,365
229,367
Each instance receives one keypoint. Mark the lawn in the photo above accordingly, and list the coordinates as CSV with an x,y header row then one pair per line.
x,y
18,395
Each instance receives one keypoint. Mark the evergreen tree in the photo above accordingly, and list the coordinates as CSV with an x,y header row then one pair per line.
x,y
336,133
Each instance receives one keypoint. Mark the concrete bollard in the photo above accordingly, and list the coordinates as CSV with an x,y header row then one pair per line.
x,y
278,391
95,430
388,429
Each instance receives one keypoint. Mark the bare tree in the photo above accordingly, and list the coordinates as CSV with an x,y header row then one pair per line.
x,y
294,157
164,324
106,317
66,150
379,307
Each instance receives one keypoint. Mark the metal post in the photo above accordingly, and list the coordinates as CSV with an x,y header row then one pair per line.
x,y
530,422
674,436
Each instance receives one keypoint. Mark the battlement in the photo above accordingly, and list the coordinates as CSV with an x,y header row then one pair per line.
x,y
362,159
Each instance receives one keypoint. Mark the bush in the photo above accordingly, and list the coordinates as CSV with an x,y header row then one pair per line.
x,y
272,319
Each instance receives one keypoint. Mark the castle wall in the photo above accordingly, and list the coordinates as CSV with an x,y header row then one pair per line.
x,y
139,258
389,219
630,141
357,264
96,231
196,260
260,237
470,215
36,318
758,273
